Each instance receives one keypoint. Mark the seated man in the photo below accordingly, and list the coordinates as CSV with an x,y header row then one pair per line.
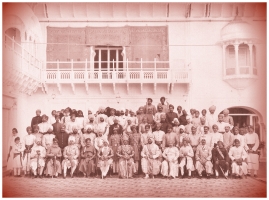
x,y
186,154
150,158
105,160
203,157
38,154
170,163
220,159
70,155
88,152
238,156
126,162
54,155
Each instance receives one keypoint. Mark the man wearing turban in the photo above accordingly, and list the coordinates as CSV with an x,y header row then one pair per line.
x,y
38,154
211,117
150,162
70,154
203,158
226,118
126,161
170,163
105,160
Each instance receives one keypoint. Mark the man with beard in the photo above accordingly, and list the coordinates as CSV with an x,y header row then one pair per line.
x,y
62,138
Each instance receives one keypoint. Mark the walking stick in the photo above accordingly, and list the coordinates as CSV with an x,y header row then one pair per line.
x,y
37,161
223,172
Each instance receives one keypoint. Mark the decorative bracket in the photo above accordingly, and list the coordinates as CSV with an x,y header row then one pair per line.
x,y
141,88
114,87
87,87
73,87
59,88
155,87
127,88
100,87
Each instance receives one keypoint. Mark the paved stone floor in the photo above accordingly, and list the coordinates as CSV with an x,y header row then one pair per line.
x,y
138,187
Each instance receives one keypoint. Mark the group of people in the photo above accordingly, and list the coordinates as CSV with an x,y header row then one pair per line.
x,y
151,140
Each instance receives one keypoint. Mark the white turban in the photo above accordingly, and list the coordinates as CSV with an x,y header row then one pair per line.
x,y
188,117
182,127
175,120
75,127
212,108
89,126
71,137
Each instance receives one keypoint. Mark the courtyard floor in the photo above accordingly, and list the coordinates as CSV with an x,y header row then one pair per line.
x,y
137,187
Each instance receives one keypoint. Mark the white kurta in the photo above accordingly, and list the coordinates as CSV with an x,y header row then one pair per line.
x,y
11,142
186,160
216,137
47,140
170,163
158,135
221,126
157,116
70,125
103,127
253,159
80,121
44,127
211,120
236,153
17,161
41,161
52,119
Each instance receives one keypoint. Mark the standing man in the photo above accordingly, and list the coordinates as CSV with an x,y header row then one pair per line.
x,y
37,119
171,115
182,118
45,125
169,137
228,119
149,105
211,117
179,111
28,141
252,141
221,124
57,125
164,104
52,119
38,155
158,135
228,137
62,138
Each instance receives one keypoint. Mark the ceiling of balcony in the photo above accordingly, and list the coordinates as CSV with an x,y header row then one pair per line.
x,y
47,11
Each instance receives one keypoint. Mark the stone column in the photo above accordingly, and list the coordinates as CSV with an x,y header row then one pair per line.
x,y
237,72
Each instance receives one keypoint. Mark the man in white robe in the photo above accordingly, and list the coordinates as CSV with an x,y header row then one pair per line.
x,y
38,154
238,156
170,163
45,125
252,144
186,154
211,117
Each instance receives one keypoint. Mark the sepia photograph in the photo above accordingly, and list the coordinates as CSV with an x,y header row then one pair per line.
x,y
134,99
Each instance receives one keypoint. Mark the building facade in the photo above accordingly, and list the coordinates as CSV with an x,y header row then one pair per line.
x,y
85,55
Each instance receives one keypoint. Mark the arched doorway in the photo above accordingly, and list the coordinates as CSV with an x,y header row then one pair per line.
x,y
244,117
10,34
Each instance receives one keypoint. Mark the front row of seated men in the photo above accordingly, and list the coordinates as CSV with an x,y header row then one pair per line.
x,y
153,160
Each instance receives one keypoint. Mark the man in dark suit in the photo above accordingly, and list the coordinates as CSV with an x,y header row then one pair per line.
x,y
37,119
57,125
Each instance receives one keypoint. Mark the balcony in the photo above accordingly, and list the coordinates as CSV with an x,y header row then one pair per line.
x,y
21,69
83,72
78,72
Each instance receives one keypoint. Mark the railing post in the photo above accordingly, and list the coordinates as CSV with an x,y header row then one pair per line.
x,y
113,72
155,72
141,72
72,71
86,70
58,71
127,70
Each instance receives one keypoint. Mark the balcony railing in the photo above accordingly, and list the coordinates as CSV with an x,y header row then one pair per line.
x,y
84,71
18,59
